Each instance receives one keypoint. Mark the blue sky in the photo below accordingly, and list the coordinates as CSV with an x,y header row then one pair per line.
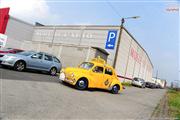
x,y
157,30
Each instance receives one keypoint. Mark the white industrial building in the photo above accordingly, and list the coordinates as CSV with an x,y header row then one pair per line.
x,y
73,44
159,81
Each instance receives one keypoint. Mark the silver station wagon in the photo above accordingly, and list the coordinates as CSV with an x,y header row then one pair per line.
x,y
32,60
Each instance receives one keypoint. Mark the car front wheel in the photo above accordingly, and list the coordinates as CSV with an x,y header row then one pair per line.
x,y
53,71
19,65
81,84
115,89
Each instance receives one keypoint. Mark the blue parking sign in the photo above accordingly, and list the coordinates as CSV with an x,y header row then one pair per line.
x,y
111,39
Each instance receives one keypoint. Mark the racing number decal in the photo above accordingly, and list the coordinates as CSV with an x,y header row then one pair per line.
x,y
106,82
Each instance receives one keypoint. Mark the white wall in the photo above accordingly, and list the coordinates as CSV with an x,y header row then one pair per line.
x,y
17,32
132,59
77,35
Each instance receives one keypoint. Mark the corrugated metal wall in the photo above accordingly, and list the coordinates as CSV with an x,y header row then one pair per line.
x,y
70,55
132,59
76,35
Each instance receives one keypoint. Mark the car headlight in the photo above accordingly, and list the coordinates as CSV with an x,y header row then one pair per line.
x,y
62,76
10,58
72,75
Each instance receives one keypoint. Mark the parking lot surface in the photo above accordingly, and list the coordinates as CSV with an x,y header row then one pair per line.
x,y
30,95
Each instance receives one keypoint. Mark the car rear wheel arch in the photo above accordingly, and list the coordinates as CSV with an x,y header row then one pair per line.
x,y
118,87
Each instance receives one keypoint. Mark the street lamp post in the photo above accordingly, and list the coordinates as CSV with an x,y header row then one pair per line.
x,y
119,39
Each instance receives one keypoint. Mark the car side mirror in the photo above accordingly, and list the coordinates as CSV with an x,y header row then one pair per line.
x,y
34,56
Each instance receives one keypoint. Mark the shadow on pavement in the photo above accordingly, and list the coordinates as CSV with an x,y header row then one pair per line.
x,y
37,76
28,75
89,89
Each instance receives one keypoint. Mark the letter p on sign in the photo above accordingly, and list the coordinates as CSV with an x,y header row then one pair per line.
x,y
111,36
111,39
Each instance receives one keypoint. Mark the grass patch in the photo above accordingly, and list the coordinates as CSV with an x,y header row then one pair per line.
x,y
127,84
174,103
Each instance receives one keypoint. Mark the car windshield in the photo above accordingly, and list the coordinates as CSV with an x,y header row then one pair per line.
x,y
26,53
136,79
86,65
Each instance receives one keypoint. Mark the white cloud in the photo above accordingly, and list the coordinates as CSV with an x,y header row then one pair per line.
x,y
30,10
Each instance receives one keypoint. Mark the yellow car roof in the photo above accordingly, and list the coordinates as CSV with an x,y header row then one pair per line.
x,y
100,61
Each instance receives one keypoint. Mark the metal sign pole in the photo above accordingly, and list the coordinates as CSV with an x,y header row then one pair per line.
x,y
118,43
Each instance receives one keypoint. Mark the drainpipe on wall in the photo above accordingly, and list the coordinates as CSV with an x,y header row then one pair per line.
x,y
87,57
82,32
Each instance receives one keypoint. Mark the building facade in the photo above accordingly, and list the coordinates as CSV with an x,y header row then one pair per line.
x,y
133,60
159,81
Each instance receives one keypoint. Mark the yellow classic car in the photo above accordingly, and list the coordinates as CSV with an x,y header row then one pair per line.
x,y
93,74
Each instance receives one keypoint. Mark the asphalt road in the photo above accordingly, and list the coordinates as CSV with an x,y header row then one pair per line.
x,y
29,95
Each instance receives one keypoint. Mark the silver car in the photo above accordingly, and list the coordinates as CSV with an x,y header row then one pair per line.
x,y
32,60
138,82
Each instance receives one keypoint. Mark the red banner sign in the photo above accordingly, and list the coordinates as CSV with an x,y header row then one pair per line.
x,y
4,17
136,56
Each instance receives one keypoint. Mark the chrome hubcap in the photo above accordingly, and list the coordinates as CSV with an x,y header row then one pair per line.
x,y
53,71
115,88
20,66
81,83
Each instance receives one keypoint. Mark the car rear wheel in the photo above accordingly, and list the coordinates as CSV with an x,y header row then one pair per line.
x,y
53,71
81,84
20,66
115,89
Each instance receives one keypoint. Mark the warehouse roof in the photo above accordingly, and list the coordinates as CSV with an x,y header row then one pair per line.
x,y
22,21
